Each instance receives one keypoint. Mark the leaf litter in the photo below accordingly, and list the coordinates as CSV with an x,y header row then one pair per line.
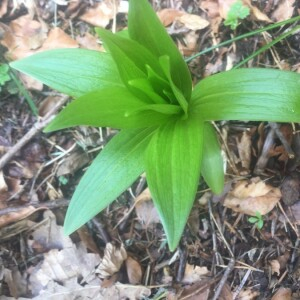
x,y
131,260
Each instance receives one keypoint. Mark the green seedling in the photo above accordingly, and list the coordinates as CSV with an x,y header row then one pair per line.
x,y
237,12
143,87
258,220
4,76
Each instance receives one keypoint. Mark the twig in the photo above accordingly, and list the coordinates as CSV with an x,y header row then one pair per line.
x,y
236,293
37,127
224,279
182,264
49,204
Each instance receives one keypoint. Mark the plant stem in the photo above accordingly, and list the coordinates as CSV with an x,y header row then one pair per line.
x,y
243,36
266,47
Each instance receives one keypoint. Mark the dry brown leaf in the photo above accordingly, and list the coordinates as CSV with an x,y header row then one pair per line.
x,y
250,197
134,270
275,267
168,15
145,209
88,41
100,15
284,10
226,293
247,294
198,291
193,22
87,239
283,294
57,38
16,216
194,274
244,149
112,260
211,7
73,162
3,8
224,7
256,13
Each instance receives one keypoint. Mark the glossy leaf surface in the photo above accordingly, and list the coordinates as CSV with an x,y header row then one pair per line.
x,y
74,72
111,173
173,161
107,107
145,27
212,161
249,94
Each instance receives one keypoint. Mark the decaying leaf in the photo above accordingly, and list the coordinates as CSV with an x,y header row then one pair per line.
x,y
112,260
134,270
247,294
194,274
250,197
145,210
275,267
283,294
284,10
193,22
168,15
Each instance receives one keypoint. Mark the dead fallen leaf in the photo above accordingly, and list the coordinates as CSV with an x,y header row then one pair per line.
x,y
275,267
3,8
75,161
16,216
87,239
250,197
145,210
112,260
194,274
283,294
294,213
168,15
256,13
211,7
247,294
88,41
284,10
198,291
226,293
100,15
244,150
57,38
134,270
193,22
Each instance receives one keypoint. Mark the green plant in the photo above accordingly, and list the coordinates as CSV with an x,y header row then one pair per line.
x,y
237,11
258,220
4,76
143,87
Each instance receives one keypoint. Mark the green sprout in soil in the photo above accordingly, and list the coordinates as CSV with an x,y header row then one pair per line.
x,y
237,12
258,220
143,87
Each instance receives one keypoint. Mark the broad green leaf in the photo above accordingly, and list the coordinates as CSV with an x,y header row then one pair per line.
x,y
130,56
145,27
173,160
212,162
168,109
106,107
165,64
249,94
145,91
71,71
111,173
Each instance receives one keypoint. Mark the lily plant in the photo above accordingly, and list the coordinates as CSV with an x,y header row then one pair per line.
x,y
142,86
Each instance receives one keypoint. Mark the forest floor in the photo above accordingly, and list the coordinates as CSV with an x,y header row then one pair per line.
x,y
122,253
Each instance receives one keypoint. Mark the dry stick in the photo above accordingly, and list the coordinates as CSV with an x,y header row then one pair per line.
x,y
49,204
283,140
37,127
241,285
224,279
